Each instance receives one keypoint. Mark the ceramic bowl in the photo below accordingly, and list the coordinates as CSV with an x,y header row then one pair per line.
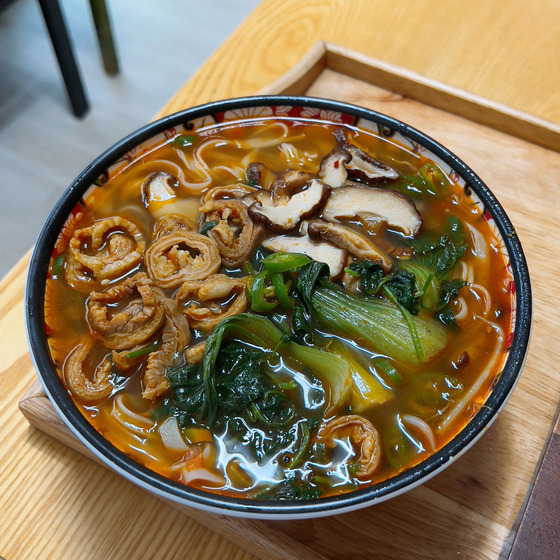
x,y
229,111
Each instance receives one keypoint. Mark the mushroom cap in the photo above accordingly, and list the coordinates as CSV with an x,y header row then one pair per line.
x,y
332,170
346,238
396,209
334,257
159,186
286,217
363,166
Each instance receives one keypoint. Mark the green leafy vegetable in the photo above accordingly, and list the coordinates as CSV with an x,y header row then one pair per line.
x,y
373,280
367,390
440,254
377,323
430,180
435,258
259,331
370,274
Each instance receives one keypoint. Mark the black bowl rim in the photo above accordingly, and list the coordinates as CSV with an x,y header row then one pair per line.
x,y
143,477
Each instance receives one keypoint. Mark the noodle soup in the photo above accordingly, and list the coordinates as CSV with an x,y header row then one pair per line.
x,y
279,307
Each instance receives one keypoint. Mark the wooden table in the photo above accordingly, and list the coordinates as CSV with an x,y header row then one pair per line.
x,y
56,503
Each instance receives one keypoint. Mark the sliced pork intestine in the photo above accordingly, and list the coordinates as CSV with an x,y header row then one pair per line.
x,y
170,223
175,336
114,247
83,388
140,315
181,256
235,234
362,434
212,300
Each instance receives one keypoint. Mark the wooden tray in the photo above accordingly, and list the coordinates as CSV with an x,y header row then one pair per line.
x,y
474,508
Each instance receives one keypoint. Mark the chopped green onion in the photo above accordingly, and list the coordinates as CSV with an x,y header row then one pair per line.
x,y
351,272
184,141
57,268
142,351
287,385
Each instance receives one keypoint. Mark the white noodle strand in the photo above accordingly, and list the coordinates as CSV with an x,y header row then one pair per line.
x,y
423,427
130,420
460,405
480,247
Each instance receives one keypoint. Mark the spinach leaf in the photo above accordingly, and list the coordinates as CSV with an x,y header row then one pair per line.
x,y
401,283
403,286
441,254
371,276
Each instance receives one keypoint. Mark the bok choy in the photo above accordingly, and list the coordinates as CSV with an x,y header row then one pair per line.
x,y
379,324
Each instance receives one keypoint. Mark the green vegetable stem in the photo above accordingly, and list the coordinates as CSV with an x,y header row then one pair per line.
x,y
377,323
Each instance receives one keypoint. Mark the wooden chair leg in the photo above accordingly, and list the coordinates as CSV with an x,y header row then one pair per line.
x,y
102,24
62,45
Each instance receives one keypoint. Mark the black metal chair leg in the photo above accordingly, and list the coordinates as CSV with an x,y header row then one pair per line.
x,y
62,45
102,24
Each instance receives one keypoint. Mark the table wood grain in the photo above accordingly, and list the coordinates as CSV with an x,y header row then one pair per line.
x,y
55,503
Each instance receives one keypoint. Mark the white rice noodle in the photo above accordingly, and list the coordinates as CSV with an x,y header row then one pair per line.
x,y
202,474
190,472
171,437
482,294
465,272
197,164
480,247
237,173
422,427
461,309
179,171
290,153
483,378
280,135
130,420
202,173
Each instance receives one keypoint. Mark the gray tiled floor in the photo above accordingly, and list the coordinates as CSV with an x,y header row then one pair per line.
x,y
42,146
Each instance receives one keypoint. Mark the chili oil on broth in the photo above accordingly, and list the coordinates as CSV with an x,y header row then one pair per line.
x,y
220,155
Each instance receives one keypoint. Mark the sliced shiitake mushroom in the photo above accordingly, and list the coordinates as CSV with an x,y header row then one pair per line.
x,y
287,214
332,170
288,184
345,238
159,186
362,166
395,208
334,257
